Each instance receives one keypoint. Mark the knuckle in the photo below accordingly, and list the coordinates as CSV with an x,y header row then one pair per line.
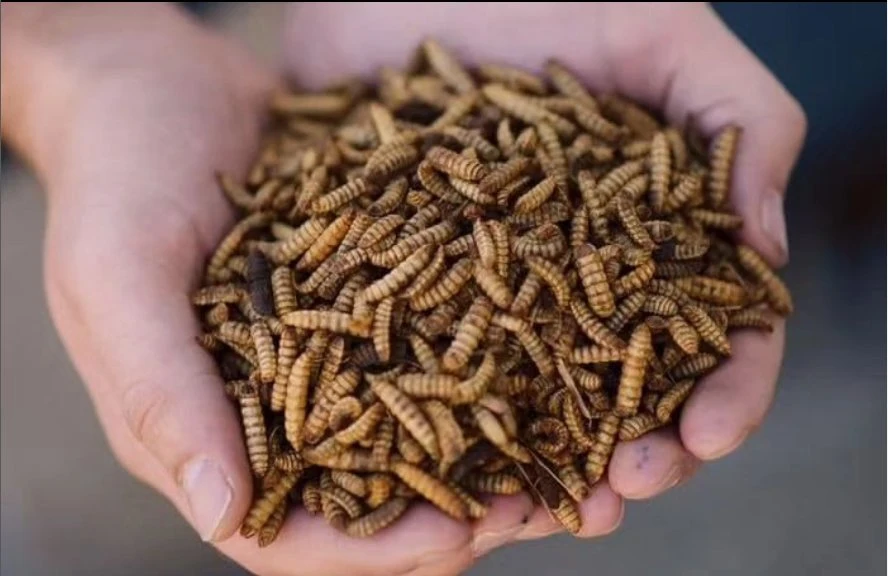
x,y
145,409
798,119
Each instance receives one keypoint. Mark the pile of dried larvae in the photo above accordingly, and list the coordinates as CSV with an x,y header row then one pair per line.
x,y
464,281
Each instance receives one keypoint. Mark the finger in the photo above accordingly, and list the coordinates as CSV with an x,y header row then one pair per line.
x,y
507,515
161,383
727,405
650,465
601,514
421,538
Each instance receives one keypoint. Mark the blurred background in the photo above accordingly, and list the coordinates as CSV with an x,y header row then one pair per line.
x,y
805,495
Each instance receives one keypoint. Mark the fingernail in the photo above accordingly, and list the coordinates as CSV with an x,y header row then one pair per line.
x,y
209,495
534,534
729,447
774,221
487,541
672,478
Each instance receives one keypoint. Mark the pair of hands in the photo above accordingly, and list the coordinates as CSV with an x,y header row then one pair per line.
x,y
125,112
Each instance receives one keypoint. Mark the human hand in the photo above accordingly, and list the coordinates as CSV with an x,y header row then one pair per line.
x,y
130,110
676,58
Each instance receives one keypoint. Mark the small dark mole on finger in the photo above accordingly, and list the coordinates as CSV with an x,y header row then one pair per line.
x,y
645,457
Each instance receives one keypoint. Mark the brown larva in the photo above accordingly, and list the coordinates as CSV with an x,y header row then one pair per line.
x,y
591,272
724,149
409,415
384,514
707,329
632,375
262,341
777,293
638,425
528,111
673,398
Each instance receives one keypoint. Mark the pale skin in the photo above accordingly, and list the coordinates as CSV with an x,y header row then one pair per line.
x,y
125,111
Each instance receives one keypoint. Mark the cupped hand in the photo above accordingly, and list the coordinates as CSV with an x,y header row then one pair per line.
x,y
678,59
134,211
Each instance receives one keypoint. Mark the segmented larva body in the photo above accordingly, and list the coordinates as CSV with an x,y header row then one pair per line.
x,y
384,514
264,507
706,327
594,328
724,149
262,341
673,398
683,335
591,271
632,375
409,415
471,330
638,425
552,276
777,293
602,448
432,489
661,171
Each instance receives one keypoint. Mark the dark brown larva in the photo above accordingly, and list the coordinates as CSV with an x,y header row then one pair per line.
x,y
471,280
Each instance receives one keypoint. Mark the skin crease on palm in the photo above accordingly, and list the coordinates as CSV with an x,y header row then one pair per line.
x,y
145,105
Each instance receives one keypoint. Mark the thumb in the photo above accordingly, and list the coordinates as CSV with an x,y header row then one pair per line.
x,y
132,333
703,77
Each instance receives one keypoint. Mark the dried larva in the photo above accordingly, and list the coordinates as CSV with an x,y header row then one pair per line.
x,y
361,427
724,149
432,489
254,428
265,505
473,139
635,280
602,447
708,330
344,411
262,341
660,305
573,482
469,334
525,109
595,284
450,435
447,67
632,375
286,251
493,285
484,244
751,318
455,164
683,335
384,514
637,426
712,290
382,327
661,171
777,293
217,315
506,180
673,398
501,483
716,220
409,415
231,242
552,276
694,365
282,290
218,294
568,84
529,340
550,435
594,328
258,277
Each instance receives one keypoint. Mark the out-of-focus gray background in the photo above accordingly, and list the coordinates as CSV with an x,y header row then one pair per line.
x,y
804,496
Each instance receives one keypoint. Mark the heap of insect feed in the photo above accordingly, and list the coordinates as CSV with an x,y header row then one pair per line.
x,y
469,281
